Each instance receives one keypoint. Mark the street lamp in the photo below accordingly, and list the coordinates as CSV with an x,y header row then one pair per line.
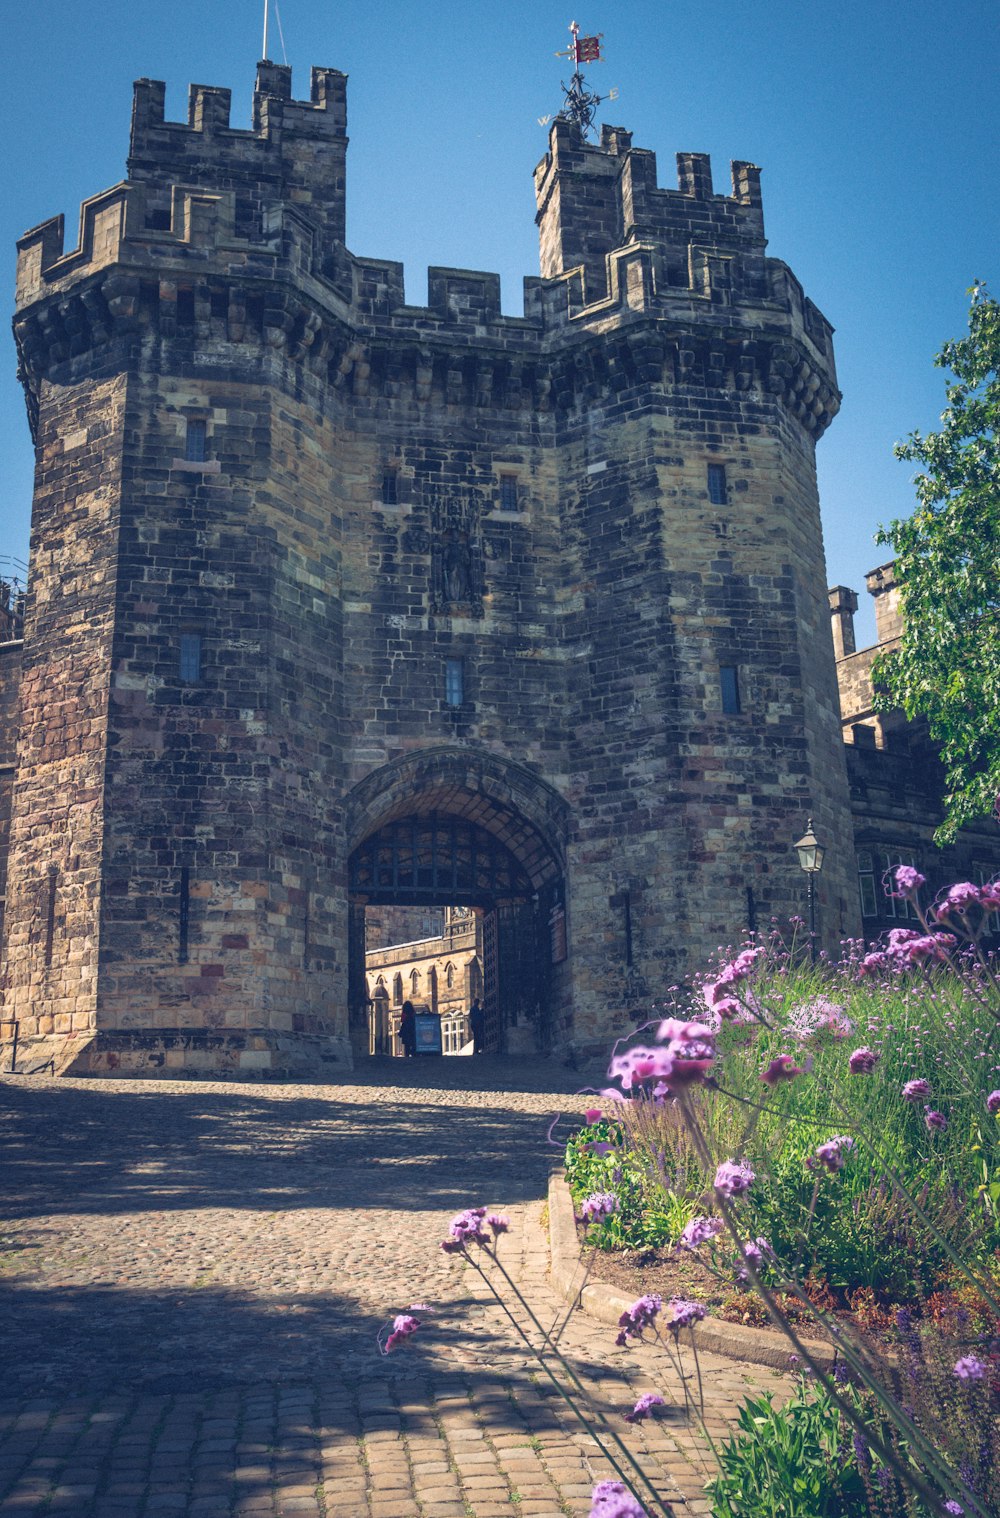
x,y
810,852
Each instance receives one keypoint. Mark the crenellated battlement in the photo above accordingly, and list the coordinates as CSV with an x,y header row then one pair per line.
x,y
295,149
229,235
593,199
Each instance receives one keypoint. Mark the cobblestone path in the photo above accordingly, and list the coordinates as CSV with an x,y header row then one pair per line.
x,y
193,1279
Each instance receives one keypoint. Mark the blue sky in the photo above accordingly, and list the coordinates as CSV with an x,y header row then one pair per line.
x,y
875,126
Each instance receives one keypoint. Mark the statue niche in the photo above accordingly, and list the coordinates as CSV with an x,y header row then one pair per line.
x,y
456,561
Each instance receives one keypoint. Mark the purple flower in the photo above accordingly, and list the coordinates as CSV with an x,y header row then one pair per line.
x,y
820,1015
683,1314
862,1061
781,1068
915,1091
993,1102
969,1368
599,1206
639,1316
832,1154
954,1508
931,947
592,1115
640,1064
936,1121
908,880
960,898
466,1228
691,1047
699,1231
498,1223
644,1407
754,1250
611,1499
402,1327
718,991
733,1178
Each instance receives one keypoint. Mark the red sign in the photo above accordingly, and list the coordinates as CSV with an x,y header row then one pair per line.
x,y
588,49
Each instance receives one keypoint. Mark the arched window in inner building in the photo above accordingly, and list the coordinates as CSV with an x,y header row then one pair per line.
x,y
432,987
397,991
414,984
449,975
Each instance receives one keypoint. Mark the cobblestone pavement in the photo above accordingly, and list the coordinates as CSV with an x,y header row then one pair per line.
x,y
194,1276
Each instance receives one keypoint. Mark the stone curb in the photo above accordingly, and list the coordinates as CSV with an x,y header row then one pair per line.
x,y
755,1346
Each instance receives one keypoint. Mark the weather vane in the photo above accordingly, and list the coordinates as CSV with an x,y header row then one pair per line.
x,y
581,104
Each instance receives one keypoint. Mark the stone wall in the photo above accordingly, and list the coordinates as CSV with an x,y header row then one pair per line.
x,y
896,779
313,560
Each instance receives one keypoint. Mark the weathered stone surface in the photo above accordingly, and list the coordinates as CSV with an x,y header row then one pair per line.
x,y
254,455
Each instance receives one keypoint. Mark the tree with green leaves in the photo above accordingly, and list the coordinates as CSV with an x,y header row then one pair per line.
x,y
947,556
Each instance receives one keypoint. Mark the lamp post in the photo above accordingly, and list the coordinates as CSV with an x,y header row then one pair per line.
x,y
810,852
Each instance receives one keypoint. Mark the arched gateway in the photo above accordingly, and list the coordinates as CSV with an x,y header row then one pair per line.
x,y
458,827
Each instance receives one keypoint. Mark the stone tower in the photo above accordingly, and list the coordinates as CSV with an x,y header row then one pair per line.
x,y
339,601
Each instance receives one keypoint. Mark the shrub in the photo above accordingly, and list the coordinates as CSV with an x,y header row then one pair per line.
x,y
796,1461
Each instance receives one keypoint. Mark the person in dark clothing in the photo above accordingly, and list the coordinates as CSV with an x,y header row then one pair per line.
x,y
477,1027
408,1029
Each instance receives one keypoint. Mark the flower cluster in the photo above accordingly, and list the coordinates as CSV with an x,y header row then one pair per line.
x,y
691,1047
831,1155
915,1091
640,1316
637,1067
908,881
733,1178
402,1327
820,1015
754,1250
969,1368
863,1061
718,993
644,1407
682,1314
960,899
611,1499
907,949
594,1209
467,1228
685,1052
936,1121
781,1068
993,1103
699,1231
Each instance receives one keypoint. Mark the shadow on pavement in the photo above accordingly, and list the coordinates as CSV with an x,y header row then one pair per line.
x,y
87,1148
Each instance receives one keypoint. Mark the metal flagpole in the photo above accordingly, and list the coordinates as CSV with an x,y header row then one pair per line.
x,y
264,53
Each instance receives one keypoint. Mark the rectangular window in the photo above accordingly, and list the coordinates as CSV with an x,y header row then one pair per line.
x,y
866,883
389,497
454,681
508,492
717,484
195,440
729,684
190,658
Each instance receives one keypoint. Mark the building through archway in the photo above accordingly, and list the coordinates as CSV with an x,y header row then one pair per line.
x,y
466,832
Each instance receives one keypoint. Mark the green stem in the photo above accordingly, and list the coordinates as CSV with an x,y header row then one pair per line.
x,y
539,1355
